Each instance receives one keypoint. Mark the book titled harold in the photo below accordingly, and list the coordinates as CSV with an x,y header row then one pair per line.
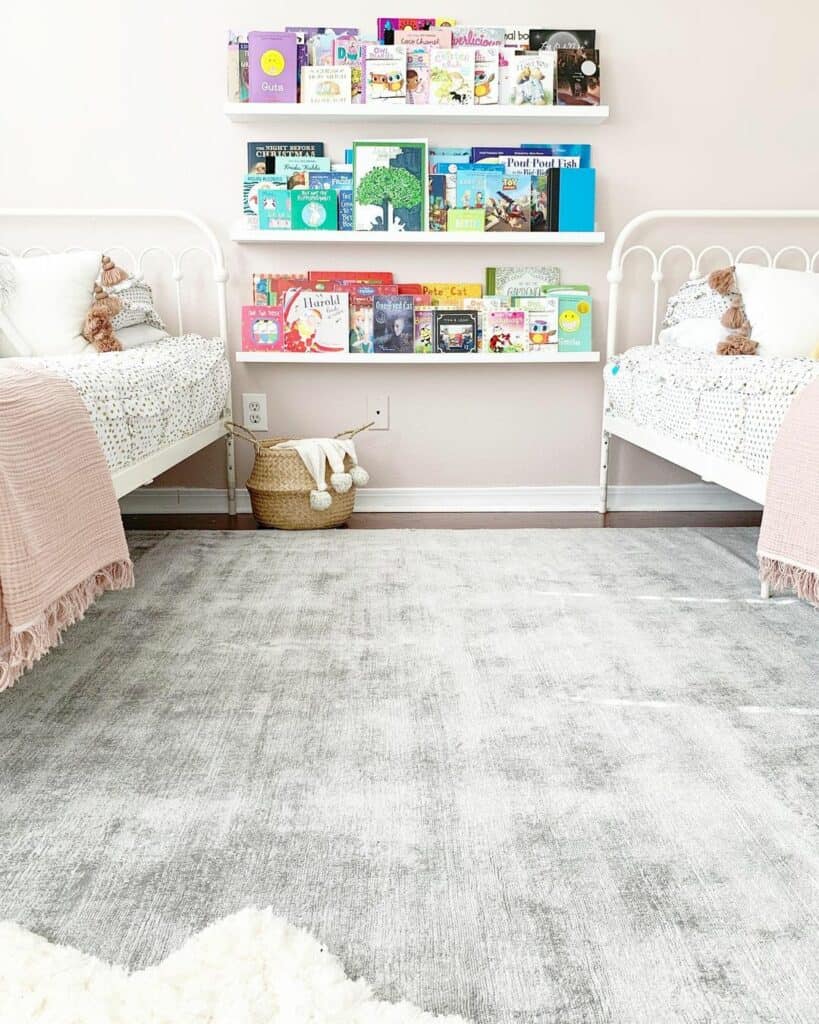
x,y
390,186
316,321
272,59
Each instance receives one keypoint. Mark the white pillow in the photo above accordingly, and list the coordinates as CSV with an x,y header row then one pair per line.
x,y
783,308
138,335
702,335
48,301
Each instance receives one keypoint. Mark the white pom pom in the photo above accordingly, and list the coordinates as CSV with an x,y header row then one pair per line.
x,y
341,482
360,476
320,501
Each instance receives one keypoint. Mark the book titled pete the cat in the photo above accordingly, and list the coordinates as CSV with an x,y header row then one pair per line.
x,y
272,61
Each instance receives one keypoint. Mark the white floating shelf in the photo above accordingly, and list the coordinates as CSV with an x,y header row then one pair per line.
x,y
253,236
395,113
416,359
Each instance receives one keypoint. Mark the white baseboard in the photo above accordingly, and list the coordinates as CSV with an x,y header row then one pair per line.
x,y
669,498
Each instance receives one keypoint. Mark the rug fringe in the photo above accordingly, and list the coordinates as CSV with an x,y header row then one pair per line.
x,y
30,642
781,576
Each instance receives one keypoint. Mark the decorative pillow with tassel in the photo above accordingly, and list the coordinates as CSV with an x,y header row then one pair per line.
x,y
123,314
716,300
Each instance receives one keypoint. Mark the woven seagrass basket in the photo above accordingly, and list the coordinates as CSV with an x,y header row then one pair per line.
x,y
280,486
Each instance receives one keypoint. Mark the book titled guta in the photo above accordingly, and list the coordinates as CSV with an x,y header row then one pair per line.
x,y
272,66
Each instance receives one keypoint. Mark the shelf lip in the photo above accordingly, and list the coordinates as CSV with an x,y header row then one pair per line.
x,y
249,112
415,359
253,236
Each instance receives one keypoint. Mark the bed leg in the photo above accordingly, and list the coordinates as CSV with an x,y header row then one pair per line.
x,y
765,590
231,475
604,473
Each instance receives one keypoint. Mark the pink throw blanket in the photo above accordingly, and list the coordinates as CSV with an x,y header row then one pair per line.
x,y
61,537
789,539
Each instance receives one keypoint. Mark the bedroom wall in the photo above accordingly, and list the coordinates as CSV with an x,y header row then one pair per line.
x,y
709,107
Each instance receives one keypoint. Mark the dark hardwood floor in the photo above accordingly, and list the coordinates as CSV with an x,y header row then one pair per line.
x,y
463,520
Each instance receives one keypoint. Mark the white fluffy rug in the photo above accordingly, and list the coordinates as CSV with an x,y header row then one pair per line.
x,y
250,968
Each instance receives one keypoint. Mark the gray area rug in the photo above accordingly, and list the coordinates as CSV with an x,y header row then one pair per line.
x,y
524,776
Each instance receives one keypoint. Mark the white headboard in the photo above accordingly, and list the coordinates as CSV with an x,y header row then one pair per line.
x,y
44,219
624,248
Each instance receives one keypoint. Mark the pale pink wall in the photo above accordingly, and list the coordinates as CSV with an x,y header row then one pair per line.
x,y
713,104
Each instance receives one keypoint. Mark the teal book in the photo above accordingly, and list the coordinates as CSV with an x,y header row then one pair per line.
x,y
274,209
314,209
295,168
574,324
576,199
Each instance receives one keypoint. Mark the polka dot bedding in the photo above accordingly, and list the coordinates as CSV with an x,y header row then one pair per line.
x,y
730,407
147,398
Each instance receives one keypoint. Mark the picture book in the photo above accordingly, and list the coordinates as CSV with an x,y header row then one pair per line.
x,y
337,180
487,75
347,53
481,306
578,78
437,202
295,168
364,276
346,210
267,288
262,329
533,76
315,50
326,84
418,72
504,330
466,220
250,191
452,77
533,160
567,154
509,281
561,38
274,209
390,186
440,37
314,209
424,321
510,208
450,294
517,37
258,153
475,183
544,202
448,155
574,324
506,81
387,27
272,67
308,31
576,198
479,36
541,318
316,321
234,68
455,330
385,73
393,323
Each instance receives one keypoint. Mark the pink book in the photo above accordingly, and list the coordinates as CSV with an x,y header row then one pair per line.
x,y
272,60
262,329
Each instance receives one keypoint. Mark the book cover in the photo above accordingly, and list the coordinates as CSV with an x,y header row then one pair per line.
x,y
437,202
576,198
440,37
506,81
475,184
578,78
541,321
387,27
562,38
455,330
259,152
540,202
448,155
510,208
452,77
271,289
418,74
294,169
250,191
417,290
505,331
326,84
450,294
574,323
569,154
385,73
272,66
479,36
466,220
424,321
308,31
262,329
362,296
509,281
487,75
534,78
533,159
517,37
337,180
347,52
393,323
274,209
346,210
316,321
314,209
390,186
363,276
234,68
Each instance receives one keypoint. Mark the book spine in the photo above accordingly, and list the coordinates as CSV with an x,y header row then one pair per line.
x,y
577,191
553,191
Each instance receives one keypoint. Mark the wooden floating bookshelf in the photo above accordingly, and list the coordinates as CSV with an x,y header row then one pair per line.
x,y
416,359
395,114
253,236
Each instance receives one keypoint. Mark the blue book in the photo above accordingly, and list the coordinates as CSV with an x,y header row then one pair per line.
x,y
576,199
448,155
582,152
474,183
345,210
532,160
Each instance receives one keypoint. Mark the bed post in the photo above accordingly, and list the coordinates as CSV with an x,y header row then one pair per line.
x,y
220,276
614,277
603,505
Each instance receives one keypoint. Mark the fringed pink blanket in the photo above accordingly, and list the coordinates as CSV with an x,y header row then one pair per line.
x,y
789,539
61,537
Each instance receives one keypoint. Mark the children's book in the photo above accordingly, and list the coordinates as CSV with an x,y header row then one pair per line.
x,y
578,78
337,180
517,37
533,159
295,168
455,330
347,53
466,220
476,183
250,191
574,323
437,202
319,51
393,323
541,320
510,207
387,27
424,329
316,321
576,198
505,331
326,84
362,297
270,289
363,276
534,78
262,329
541,207
479,36
487,75
390,186
235,91
570,155
346,210
272,66
385,73
449,294
452,77
509,281
440,37
314,209
274,208
418,72
259,152
506,81
448,155
561,38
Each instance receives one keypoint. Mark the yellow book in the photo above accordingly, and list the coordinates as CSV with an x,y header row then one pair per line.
x,y
451,294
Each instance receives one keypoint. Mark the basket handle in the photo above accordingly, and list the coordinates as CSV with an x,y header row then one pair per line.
x,y
351,433
242,432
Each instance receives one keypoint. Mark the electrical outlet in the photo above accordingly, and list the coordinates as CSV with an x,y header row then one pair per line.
x,y
254,412
378,412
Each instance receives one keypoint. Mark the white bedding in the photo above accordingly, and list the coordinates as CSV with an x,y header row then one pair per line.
x,y
728,406
146,398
